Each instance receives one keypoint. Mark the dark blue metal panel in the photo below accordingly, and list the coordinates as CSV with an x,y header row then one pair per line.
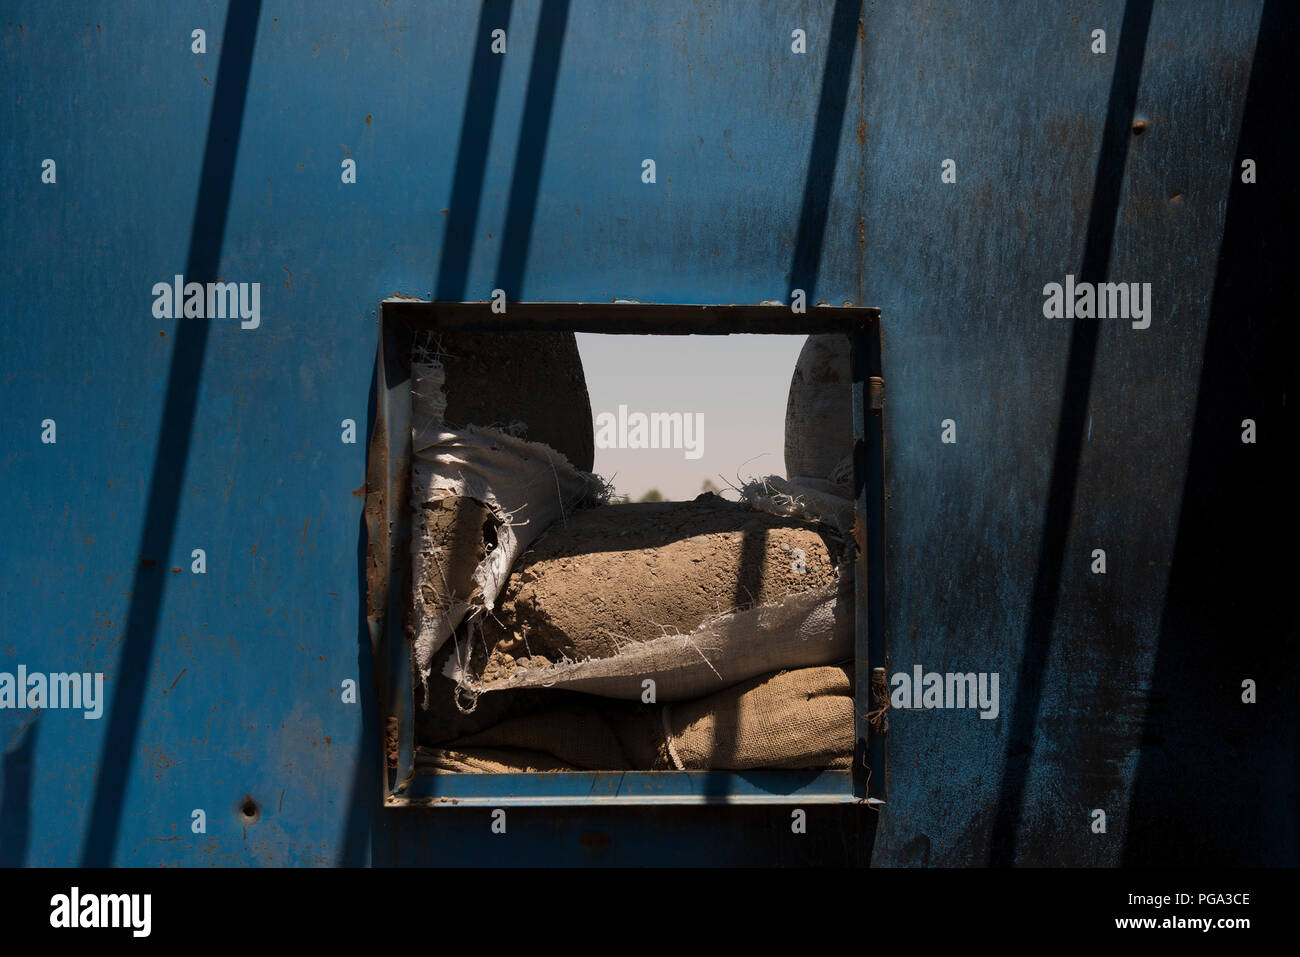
x,y
1077,436
774,171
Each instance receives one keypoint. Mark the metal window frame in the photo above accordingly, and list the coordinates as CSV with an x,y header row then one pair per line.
x,y
388,560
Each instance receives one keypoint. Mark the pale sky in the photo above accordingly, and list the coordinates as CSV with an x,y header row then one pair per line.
x,y
738,382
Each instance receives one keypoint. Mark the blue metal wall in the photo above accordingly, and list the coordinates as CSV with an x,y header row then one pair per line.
x,y
775,171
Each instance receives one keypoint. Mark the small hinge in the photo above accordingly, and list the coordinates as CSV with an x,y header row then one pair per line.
x,y
876,392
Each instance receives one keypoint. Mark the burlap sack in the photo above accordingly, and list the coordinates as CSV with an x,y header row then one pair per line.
x,y
485,761
819,416
480,497
801,719
580,737
791,720
623,593
813,628
628,573
784,497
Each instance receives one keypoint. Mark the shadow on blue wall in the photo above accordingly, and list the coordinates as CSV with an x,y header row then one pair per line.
x,y
471,155
174,435
815,208
1098,240
15,799
1221,621
533,133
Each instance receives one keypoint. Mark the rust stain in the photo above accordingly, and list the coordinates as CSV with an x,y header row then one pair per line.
x,y
360,490
147,562
174,680
159,761
376,520
368,115
288,283
175,570
862,132
390,740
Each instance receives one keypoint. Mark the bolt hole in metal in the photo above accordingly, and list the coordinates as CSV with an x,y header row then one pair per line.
x,y
1139,127
249,810
1176,198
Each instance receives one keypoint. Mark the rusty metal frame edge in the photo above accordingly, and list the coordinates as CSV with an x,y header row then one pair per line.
x,y
388,525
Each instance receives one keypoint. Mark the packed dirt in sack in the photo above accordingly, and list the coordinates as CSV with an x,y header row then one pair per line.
x,y
631,573
455,529
480,498
803,631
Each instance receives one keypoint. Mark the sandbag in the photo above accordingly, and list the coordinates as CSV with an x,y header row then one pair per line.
x,y
631,573
693,595
796,500
448,714
808,629
530,384
800,719
819,416
578,736
791,720
480,497
485,761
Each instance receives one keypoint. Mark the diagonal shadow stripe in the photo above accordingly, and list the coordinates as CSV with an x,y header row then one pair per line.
x,y
1202,749
364,827
16,796
207,232
369,836
1098,240
828,126
471,155
534,130
815,210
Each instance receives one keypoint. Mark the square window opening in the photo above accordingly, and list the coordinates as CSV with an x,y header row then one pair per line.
x,y
555,630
